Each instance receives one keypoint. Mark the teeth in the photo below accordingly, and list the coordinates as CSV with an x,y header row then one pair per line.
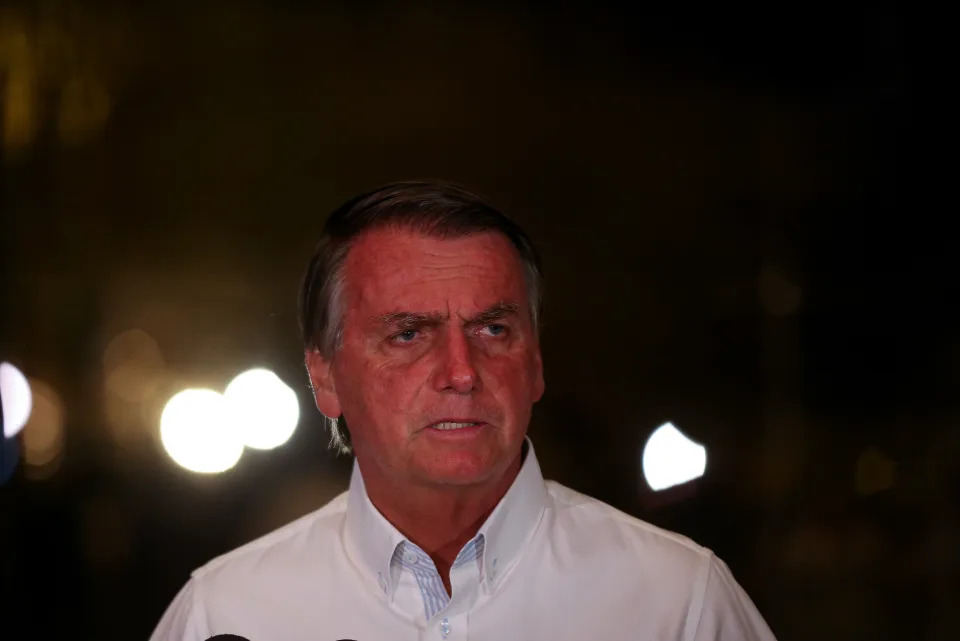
x,y
452,426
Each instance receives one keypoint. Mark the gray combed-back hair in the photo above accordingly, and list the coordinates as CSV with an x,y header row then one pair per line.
x,y
431,208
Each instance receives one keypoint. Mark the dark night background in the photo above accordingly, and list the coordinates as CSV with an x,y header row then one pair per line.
x,y
737,237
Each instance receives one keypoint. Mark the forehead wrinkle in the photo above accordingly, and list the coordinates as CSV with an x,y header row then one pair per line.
x,y
371,276
498,310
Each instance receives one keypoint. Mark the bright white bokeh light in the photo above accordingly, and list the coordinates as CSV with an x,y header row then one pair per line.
x,y
262,408
671,458
16,398
197,434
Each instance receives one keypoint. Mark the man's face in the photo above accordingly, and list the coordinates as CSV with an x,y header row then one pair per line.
x,y
440,365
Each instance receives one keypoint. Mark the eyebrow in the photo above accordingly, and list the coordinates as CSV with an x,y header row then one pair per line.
x,y
494,312
410,319
419,319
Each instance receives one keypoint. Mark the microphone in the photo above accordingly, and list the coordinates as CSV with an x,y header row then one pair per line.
x,y
9,455
9,449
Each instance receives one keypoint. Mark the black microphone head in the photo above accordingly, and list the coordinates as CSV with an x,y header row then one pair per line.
x,y
9,455
9,448
227,637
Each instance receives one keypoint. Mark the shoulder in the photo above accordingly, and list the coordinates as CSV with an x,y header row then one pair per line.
x,y
588,523
668,570
280,552
224,592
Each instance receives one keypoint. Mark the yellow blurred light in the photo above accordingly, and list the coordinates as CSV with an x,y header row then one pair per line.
x,y
671,458
43,435
133,365
196,434
16,398
19,122
263,408
19,78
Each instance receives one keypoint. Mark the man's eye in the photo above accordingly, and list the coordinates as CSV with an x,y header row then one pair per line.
x,y
494,329
405,336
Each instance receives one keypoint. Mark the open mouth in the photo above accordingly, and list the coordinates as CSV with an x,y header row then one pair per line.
x,y
451,425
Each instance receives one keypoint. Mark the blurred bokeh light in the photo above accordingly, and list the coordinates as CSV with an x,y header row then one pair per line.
x,y
54,58
134,375
43,435
16,398
263,408
196,434
671,458
132,365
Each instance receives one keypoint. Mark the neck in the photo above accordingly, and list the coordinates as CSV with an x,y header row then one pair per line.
x,y
440,520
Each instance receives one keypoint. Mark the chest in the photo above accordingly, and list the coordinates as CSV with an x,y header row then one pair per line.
x,y
536,600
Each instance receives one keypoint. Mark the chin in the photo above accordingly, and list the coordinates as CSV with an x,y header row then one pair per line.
x,y
461,473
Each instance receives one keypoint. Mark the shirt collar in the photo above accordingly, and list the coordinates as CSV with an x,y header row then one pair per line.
x,y
371,539
512,523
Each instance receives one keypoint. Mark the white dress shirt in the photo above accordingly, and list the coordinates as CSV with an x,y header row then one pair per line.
x,y
549,564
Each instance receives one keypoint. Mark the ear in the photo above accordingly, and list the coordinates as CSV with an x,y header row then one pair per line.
x,y
321,379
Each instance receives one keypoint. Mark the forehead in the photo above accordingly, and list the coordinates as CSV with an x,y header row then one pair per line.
x,y
398,267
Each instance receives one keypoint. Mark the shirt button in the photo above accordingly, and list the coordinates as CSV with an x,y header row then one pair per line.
x,y
410,558
444,628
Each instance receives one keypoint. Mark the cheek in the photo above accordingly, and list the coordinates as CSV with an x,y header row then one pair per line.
x,y
389,389
512,377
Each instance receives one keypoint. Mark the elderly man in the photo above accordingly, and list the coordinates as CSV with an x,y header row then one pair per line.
x,y
419,314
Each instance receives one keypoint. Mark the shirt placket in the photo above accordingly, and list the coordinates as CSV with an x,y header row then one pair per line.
x,y
452,623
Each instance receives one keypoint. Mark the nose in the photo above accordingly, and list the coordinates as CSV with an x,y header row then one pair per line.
x,y
455,370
